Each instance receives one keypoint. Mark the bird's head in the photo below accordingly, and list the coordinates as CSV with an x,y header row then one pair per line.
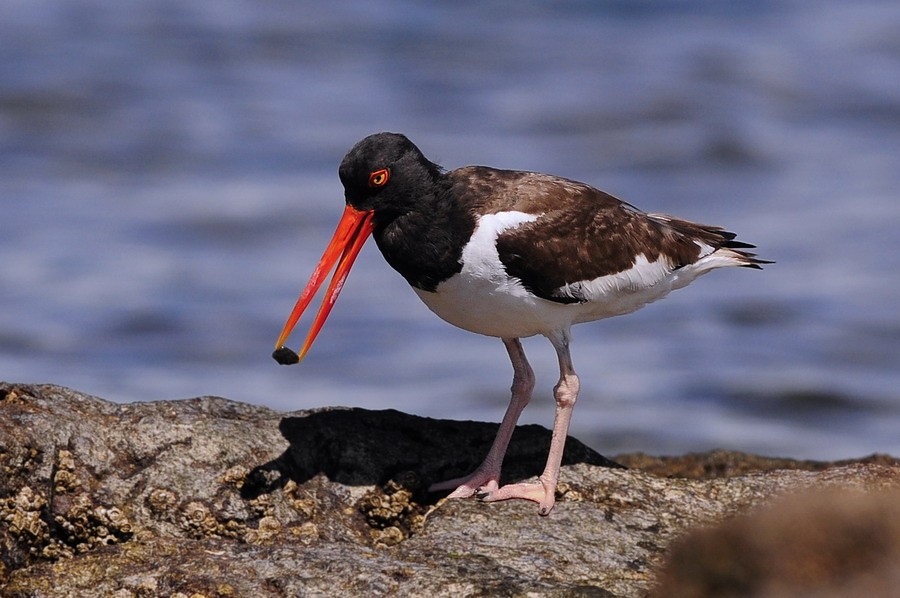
x,y
386,173
383,175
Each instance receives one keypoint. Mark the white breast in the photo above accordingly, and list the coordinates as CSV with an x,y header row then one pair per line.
x,y
483,298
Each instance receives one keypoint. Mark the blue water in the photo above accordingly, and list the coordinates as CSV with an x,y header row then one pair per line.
x,y
168,180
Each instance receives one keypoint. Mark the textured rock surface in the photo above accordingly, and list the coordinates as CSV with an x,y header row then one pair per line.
x,y
210,497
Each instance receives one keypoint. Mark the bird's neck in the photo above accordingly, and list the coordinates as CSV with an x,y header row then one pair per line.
x,y
425,242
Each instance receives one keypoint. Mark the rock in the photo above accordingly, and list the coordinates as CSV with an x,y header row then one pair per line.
x,y
827,544
726,464
210,497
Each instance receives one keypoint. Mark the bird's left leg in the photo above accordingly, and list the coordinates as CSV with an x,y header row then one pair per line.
x,y
487,477
565,393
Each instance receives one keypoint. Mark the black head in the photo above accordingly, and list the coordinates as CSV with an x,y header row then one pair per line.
x,y
386,172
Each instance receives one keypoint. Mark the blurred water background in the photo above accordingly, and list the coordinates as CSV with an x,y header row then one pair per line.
x,y
168,175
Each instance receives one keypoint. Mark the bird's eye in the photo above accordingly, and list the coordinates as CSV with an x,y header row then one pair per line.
x,y
379,178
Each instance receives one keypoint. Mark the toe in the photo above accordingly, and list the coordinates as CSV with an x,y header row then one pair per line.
x,y
467,486
462,492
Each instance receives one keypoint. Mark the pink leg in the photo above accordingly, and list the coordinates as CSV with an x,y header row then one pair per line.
x,y
487,476
565,393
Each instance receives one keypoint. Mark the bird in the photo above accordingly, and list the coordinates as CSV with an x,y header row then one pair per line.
x,y
508,254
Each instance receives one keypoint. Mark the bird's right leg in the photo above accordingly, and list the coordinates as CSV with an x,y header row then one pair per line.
x,y
487,477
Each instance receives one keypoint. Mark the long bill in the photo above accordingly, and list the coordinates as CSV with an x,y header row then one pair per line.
x,y
352,232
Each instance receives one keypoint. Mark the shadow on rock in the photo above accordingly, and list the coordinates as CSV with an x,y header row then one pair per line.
x,y
359,447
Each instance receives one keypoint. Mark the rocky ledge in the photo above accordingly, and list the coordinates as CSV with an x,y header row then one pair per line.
x,y
210,497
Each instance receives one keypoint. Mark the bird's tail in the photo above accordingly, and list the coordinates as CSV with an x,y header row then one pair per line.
x,y
722,248
728,254
734,252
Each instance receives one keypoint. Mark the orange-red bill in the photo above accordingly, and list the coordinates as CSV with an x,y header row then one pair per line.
x,y
352,232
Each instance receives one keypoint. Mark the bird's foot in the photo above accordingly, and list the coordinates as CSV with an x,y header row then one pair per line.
x,y
543,493
485,486
481,480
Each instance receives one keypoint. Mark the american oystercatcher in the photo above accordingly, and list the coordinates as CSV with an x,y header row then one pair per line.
x,y
508,254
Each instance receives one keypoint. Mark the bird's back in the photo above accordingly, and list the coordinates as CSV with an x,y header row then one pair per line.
x,y
548,252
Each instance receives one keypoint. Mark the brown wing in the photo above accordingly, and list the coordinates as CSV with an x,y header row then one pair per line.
x,y
584,234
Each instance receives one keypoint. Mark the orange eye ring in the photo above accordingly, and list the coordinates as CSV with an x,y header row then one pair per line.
x,y
379,178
